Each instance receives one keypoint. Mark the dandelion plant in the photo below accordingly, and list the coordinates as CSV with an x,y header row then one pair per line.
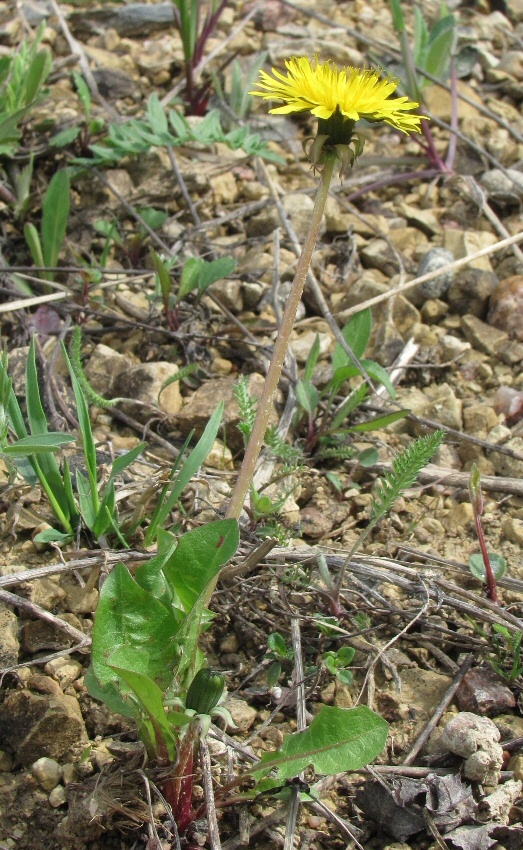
x,y
338,99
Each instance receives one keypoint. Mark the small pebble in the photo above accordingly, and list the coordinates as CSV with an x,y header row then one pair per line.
x,y
506,307
437,287
58,797
47,773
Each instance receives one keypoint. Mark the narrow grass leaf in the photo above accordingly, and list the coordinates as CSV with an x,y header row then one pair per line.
x,y
55,212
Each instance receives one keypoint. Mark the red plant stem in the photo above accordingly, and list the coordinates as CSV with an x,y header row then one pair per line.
x,y
178,790
492,593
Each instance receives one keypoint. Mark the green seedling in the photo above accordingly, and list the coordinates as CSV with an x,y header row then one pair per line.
x,y
487,566
45,246
432,52
31,455
160,129
508,661
235,99
81,135
97,506
196,277
22,77
279,654
326,429
338,663
36,463
181,474
131,246
195,34
504,651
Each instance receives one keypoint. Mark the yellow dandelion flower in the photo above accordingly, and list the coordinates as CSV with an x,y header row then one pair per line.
x,y
348,94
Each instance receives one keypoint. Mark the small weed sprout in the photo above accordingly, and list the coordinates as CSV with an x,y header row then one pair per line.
x,y
487,566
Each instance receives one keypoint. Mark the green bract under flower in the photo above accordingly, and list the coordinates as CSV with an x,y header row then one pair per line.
x,y
338,96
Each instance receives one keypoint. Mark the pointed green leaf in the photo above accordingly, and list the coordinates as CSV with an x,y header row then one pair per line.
x,y
55,212
356,334
129,616
198,557
50,442
337,740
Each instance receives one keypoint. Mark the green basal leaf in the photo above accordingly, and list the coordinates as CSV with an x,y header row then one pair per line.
x,y
213,271
129,616
110,695
307,396
129,664
439,52
150,575
337,740
397,15
190,276
356,334
368,457
477,565
188,469
46,465
55,212
85,501
32,238
106,516
312,359
379,421
50,442
65,137
198,557
36,74
52,535
164,275
83,93
351,403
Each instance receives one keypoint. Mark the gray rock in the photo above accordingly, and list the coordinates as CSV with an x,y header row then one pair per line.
x,y
202,404
483,692
377,254
47,773
496,806
504,464
9,643
134,19
481,336
229,293
437,287
242,713
144,383
33,725
506,307
104,365
503,188
443,405
469,292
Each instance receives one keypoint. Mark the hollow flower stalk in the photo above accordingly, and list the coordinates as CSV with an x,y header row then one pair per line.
x,y
338,98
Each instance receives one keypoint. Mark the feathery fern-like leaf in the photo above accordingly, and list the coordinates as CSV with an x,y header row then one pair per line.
x,y
406,467
247,405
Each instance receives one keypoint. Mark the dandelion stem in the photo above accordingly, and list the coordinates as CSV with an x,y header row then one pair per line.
x,y
254,446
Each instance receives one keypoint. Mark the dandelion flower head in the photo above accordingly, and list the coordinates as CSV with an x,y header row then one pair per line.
x,y
349,93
